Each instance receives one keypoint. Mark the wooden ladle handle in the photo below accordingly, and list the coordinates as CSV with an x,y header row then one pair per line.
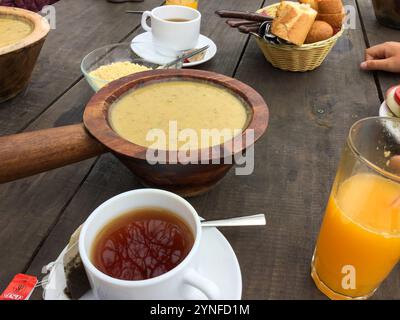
x,y
29,153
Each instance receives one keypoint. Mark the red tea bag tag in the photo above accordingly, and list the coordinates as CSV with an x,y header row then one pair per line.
x,y
20,288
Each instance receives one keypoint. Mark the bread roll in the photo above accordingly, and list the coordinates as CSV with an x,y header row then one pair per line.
x,y
335,19
330,6
312,3
293,22
320,31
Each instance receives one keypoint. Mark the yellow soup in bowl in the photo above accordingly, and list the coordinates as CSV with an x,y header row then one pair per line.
x,y
185,111
13,30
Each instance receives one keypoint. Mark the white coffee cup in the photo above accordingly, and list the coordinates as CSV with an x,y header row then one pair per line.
x,y
171,37
177,283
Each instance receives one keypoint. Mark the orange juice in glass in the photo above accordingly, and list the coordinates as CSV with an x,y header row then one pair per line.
x,y
359,240
188,3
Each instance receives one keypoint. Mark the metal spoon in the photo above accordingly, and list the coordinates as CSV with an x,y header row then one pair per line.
x,y
254,220
184,56
134,11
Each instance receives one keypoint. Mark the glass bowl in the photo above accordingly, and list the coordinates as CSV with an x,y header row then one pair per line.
x,y
119,52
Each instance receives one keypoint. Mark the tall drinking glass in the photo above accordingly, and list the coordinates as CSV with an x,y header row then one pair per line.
x,y
359,240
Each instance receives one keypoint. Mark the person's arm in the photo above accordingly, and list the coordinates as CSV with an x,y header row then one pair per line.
x,y
385,57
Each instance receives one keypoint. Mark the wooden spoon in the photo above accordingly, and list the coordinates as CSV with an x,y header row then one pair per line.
x,y
238,23
251,16
248,29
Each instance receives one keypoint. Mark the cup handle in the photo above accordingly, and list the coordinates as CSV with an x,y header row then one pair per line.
x,y
145,15
206,286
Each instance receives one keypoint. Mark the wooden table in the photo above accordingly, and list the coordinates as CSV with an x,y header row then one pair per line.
x,y
295,163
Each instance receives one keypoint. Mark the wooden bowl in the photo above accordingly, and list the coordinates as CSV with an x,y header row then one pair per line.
x,y
17,60
184,179
47,149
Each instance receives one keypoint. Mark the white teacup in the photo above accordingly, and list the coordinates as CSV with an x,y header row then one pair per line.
x,y
171,37
176,283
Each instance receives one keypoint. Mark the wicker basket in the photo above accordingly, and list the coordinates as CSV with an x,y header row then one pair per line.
x,y
296,58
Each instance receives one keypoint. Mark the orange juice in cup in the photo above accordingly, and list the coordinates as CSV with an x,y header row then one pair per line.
x,y
359,240
188,3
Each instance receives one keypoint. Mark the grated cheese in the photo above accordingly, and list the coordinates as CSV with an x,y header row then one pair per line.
x,y
116,70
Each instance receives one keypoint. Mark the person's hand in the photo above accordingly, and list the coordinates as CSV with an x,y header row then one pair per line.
x,y
385,57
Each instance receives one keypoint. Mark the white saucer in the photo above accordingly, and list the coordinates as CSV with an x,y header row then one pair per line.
x,y
143,46
219,264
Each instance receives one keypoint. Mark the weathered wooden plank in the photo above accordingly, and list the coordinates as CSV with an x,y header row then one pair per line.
x,y
230,45
229,42
311,114
108,178
29,208
376,33
82,26
295,164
